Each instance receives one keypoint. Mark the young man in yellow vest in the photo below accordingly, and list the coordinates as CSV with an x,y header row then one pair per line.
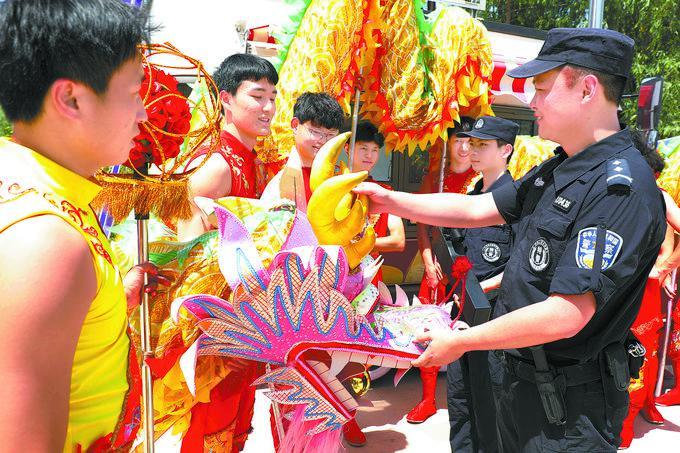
x,y
70,76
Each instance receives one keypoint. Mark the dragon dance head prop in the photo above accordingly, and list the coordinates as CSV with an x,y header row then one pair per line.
x,y
297,306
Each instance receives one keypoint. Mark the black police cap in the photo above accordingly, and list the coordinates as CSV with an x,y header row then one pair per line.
x,y
464,124
606,51
493,128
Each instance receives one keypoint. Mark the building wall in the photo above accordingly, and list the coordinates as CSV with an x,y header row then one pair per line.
x,y
206,29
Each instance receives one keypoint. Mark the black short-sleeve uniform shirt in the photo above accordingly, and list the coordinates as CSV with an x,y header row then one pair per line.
x,y
488,248
562,209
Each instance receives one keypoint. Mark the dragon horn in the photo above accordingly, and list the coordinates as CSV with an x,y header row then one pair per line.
x,y
322,205
363,199
356,251
346,203
344,206
323,166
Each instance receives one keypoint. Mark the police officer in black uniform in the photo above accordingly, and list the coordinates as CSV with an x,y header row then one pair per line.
x,y
489,248
472,411
590,222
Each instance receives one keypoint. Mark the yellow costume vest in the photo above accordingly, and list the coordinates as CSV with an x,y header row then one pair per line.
x,y
32,185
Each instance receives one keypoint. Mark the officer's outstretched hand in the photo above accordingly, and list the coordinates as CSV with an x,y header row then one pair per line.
x,y
442,348
379,197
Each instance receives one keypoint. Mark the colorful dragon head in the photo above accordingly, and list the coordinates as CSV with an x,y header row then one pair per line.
x,y
296,309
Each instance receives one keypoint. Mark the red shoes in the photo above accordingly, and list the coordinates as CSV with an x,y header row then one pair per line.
x,y
671,398
426,408
353,434
652,415
649,412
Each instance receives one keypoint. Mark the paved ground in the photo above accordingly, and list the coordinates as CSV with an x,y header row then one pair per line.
x,y
387,431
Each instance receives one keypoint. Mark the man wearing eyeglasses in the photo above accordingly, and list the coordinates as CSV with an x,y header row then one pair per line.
x,y
317,117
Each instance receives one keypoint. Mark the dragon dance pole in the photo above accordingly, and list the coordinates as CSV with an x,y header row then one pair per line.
x,y
145,331
355,122
443,165
664,346
445,153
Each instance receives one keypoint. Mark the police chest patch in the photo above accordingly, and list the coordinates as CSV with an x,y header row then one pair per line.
x,y
585,248
563,204
539,255
491,252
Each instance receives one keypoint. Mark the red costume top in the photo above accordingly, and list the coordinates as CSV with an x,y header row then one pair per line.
x,y
306,173
241,162
288,183
458,182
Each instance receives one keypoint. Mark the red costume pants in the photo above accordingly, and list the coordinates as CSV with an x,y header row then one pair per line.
x,y
646,328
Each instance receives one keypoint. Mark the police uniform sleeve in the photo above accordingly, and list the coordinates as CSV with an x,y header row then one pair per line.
x,y
509,198
615,230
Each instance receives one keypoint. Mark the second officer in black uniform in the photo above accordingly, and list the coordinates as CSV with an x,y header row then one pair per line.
x,y
589,225
472,411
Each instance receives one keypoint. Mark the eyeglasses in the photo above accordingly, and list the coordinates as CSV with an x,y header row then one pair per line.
x,y
318,135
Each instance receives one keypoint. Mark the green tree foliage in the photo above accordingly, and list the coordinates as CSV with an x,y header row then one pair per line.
x,y
654,25
5,127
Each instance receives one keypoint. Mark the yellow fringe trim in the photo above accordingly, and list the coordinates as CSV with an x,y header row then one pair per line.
x,y
121,194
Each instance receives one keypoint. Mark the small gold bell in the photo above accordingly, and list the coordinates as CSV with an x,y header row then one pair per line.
x,y
361,383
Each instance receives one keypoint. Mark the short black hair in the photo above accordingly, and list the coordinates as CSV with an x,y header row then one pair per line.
x,y
651,155
464,125
321,109
612,85
237,68
368,132
42,41
502,143
654,160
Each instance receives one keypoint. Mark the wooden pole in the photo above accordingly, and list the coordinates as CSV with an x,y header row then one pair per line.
x,y
355,123
145,330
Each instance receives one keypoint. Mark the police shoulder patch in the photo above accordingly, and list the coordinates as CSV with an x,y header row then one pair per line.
x,y
618,174
585,248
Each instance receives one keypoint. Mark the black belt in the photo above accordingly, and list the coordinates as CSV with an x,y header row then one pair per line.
x,y
577,374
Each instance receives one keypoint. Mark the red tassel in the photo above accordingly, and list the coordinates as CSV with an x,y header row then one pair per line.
x,y
461,267
459,272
